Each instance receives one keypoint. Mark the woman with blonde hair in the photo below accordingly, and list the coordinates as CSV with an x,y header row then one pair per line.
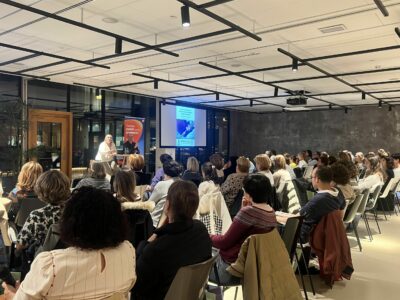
x,y
27,178
374,174
263,165
136,163
192,171
281,175
97,178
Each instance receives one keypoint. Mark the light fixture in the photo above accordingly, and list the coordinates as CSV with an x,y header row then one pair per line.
x,y
156,84
98,94
217,96
163,102
397,30
380,104
251,103
346,110
330,106
185,16
283,109
363,95
381,7
118,46
295,65
390,108
276,91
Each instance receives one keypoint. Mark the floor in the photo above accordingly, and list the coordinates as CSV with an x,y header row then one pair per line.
x,y
377,267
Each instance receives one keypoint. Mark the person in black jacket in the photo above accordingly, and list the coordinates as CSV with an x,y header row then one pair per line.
x,y
181,242
192,171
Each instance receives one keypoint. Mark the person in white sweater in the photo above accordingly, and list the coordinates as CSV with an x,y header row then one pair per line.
x,y
281,175
374,174
263,165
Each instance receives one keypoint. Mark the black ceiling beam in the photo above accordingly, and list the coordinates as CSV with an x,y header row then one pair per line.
x,y
326,73
68,59
24,75
220,19
176,42
195,95
382,8
127,84
213,3
85,26
18,59
377,83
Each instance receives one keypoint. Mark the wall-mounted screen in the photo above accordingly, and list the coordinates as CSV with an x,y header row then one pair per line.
x,y
182,126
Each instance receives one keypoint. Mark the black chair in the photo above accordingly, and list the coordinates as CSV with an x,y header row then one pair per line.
x,y
237,204
27,205
290,237
140,224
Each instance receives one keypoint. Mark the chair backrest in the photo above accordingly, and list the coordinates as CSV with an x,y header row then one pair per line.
x,y
364,201
117,296
190,281
140,224
308,172
353,210
291,234
388,188
374,195
237,204
27,205
290,199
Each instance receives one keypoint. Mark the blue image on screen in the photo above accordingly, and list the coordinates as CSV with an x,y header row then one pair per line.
x,y
185,126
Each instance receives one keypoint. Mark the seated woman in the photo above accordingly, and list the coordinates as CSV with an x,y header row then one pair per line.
x,y
281,175
97,178
341,180
24,188
52,187
99,262
263,165
374,174
217,160
181,242
234,182
192,171
255,217
137,211
212,204
136,163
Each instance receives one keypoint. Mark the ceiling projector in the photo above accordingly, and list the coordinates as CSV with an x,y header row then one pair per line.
x,y
297,100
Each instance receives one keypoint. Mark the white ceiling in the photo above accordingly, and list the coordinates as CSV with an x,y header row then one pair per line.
x,y
291,25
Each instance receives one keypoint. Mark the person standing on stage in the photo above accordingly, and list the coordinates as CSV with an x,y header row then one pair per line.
x,y
107,149
130,147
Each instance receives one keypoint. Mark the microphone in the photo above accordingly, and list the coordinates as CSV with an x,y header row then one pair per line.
x,y
6,276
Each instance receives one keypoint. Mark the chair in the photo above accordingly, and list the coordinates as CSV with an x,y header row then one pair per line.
x,y
361,211
236,205
190,281
371,205
382,200
140,224
27,205
351,215
395,191
290,199
290,237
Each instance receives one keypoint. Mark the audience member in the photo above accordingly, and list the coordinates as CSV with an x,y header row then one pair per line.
x,y
97,178
341,178
192,171
160,172
288,168
302,164
230,166
124,187
26,181
331,160
326,200
345,159
255,217
359,161
98,263
171,172
281,175
136,163
181,242
313,159
234,182
374,174
53,188
294,162
217,160
396,162
211,179
263,165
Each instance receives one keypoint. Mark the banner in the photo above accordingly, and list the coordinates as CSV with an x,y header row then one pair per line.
x,y
134,135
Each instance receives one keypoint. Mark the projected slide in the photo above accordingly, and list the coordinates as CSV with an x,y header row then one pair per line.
x,y
182,126
185,126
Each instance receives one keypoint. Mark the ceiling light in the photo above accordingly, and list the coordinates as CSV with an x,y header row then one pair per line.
x,y
110,20
217,96
156,84
163,102
363,95
236,65
346,110
380,104
276,91
381,7
98,94
295,65
118,46
283,109
334,28
251,103
185,16
390,108
330,106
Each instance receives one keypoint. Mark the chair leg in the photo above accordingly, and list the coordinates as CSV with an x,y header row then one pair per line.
x,y
367,226
236,292
358,239
383,208
376,220
308,274
301,275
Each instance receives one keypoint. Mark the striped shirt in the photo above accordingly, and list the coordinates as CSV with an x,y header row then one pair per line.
x,y
250,220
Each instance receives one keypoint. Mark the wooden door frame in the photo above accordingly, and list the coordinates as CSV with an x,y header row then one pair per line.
x,y
51,116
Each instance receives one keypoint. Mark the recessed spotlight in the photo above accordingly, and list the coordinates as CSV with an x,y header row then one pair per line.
x,y
236,65
110,20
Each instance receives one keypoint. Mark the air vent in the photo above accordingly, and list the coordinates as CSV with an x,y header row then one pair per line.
x,y
330,29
